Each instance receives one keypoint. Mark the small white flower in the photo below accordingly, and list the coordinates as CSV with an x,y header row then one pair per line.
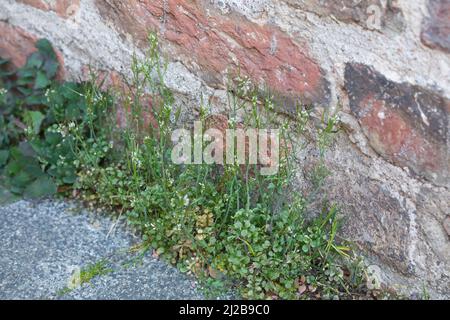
x,y
186,200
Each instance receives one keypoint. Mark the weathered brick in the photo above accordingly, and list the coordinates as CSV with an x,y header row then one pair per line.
x,y
436,29
370,14
63,8
113,81
407,125
213,44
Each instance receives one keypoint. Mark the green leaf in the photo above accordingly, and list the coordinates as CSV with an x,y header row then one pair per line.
x,y
36,99
4,155
52,138
73,111
42,187
23,81
7,197
3,61
26,73
71,90
70,179
5,74
15,190
34,61
21,180
35,119
25,149
41,81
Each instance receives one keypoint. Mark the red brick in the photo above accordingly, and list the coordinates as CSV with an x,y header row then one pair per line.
x,y
212,44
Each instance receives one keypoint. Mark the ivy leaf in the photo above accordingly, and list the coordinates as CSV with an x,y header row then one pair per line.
x,y
34,61
19,181
73,111
4,155
41,80
35,100
24,90
44,46
70,179
25,150
6,74
42,187
71,91
26,73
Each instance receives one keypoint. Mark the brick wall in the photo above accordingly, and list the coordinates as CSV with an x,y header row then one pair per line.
x,y
385,63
